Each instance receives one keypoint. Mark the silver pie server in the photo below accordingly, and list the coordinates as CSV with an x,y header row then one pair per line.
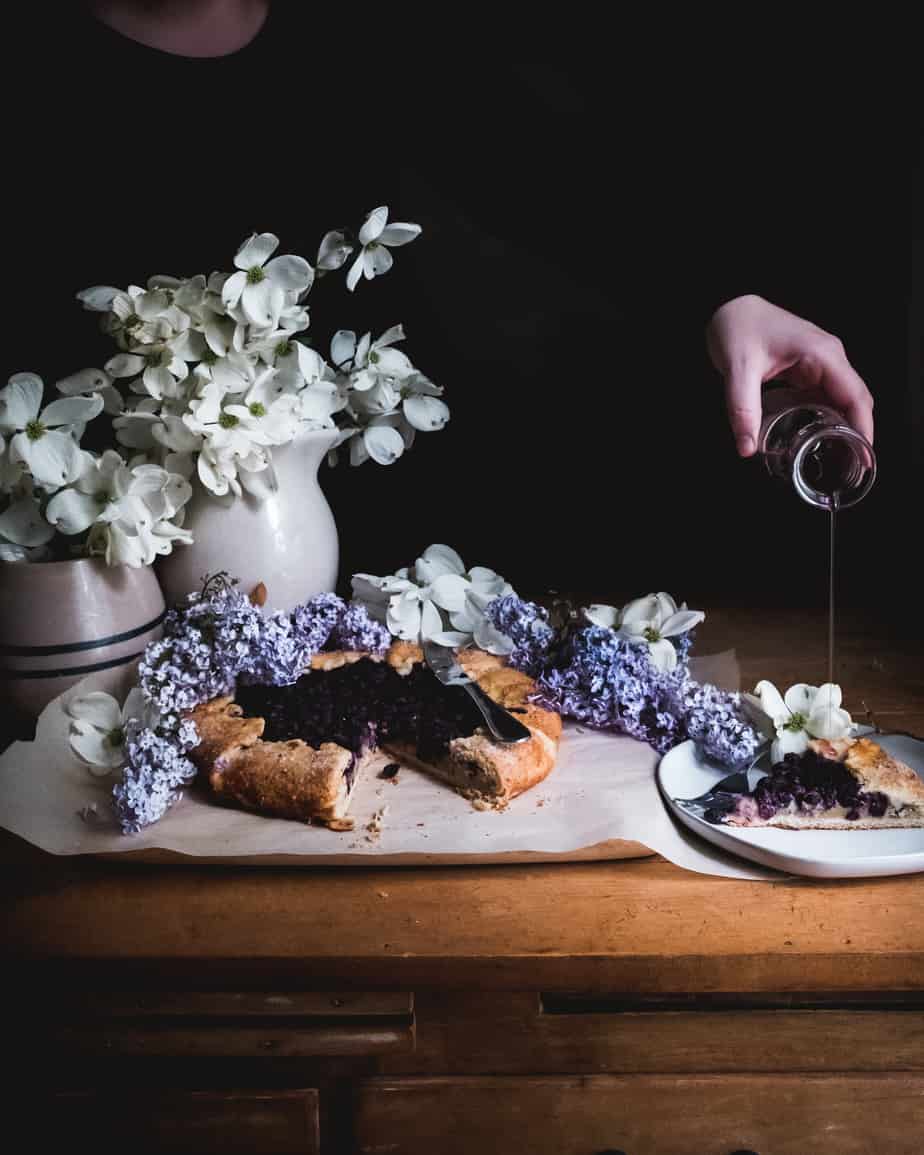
x,y
504,727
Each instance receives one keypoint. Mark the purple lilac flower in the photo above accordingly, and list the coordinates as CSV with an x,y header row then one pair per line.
x,y
279,653
358,630
316,620
714,718
205,645
527,626
605,681
156,770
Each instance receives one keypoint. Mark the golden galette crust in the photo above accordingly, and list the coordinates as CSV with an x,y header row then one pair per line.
x,y
874,768
289,779
294,780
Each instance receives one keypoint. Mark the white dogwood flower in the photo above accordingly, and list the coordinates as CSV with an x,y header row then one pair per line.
x,y
97,729
133,512
377,236
655,619
436,599
44,441
260,285
802,713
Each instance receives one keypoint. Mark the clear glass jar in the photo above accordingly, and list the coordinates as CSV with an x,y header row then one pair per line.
x,y
812,447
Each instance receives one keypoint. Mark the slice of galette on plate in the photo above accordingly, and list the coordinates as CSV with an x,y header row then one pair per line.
x,y
847,784
297,751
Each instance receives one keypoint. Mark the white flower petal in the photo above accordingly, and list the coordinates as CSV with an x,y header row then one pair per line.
x,y
606,616
640,610
262,303
431,621
403,618
95,748
488,637
20,400
356,271
98,298
333,251
771,702
22,523
376,261
663,655
829,723
828,697
256,251
800,698
96,709
399,233
71,512
373,225
435,561
383,444
788,742
125,365
232,289
86,381
343,347
448,591
292,274
54,459
70,410
426,413
681,622
667,607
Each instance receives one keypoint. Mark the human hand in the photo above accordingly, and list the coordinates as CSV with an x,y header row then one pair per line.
x,y
751,341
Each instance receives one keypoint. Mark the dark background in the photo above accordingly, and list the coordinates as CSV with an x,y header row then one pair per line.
x,y
589,193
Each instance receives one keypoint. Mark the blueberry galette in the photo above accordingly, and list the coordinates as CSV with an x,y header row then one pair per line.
x,y
848,784
296,751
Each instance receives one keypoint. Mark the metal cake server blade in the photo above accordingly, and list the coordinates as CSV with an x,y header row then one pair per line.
x,y
502,725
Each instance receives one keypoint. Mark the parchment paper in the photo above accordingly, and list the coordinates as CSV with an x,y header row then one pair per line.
x,y
600,802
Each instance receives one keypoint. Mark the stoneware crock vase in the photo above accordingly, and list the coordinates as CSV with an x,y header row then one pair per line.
x,y
63,620
287,541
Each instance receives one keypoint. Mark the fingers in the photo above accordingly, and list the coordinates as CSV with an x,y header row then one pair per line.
x,y
742,400
826,368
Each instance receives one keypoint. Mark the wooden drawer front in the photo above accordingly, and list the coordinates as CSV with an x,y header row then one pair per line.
x,y
643,1115
512,1033
193,1122
232,1025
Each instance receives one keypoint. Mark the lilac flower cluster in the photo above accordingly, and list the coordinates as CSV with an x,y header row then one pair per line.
x,y
595,676
527,626
715,719
205,646
608,682
155,773
216,639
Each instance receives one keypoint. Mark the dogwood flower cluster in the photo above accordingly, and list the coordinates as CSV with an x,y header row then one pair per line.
x,y
216,376
437,599
55,494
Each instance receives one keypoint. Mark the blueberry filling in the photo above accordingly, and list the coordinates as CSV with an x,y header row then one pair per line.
x,y
809,783
360,706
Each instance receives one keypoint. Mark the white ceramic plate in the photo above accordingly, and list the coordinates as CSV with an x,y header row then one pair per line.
x,y
683,773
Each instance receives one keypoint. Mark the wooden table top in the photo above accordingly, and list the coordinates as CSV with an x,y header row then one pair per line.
x,y
643,926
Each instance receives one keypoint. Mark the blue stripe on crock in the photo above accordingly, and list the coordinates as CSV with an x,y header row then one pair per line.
x,y
77,647
8,675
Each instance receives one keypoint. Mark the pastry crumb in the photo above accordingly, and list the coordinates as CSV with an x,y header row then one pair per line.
x,y
340,824
374,825
382,893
